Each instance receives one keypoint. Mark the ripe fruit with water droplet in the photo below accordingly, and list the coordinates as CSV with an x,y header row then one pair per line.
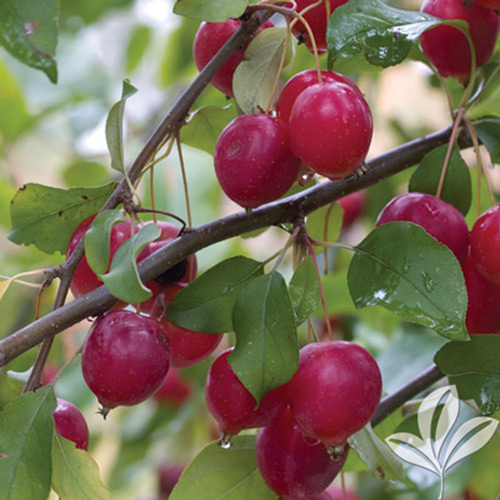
x,y
300,82
232,405
294,466
71,424
331,129
125,359
253,161
335,391
447,47
440,219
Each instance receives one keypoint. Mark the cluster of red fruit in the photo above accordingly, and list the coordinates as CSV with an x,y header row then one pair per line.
x,y
321,122
477,250
128,356
305,423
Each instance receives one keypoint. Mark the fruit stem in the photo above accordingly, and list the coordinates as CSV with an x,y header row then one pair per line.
x,y
480,164
451,143
446,92
321,290
301,18
184,181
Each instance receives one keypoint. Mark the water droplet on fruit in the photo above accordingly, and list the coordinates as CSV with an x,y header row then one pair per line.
x,y
428,282
225,441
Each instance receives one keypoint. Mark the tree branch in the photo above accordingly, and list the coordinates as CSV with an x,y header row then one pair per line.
x,y
279,212
411,389
171,124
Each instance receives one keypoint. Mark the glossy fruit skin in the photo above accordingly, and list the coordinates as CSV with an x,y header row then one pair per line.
x,y
292,465
485,244
483,311
232,405
125,358
335,391
71,424
317,19
165,286
336,493
331,129
174,391
440,219
447,47
85,280
353,205
188,347
301,81
253,161
209,38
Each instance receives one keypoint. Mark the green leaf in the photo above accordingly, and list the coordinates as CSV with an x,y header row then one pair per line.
x,y
474,367
137,45
123,279
489,99
400,267
97,240
205,125
26,428
114,128
383,34
28,30
46,216
325,223
457,189
87,173
13,115
376,455
75,474
217,474
304,290
206,305
215,11
255,76
266,355
488,130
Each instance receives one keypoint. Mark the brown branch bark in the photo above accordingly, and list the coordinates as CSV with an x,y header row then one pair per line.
x,y
279,212
171,124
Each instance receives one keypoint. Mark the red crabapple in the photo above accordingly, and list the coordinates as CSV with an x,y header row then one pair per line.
x,y
166,285
489,4
253,160
125,358
294,466
447,47
301,81
440,219
174,391
84,279
209,38
231,403
335,391
485,244
168,475
352,205
188,347
317,19
483,313
71,424
331,129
